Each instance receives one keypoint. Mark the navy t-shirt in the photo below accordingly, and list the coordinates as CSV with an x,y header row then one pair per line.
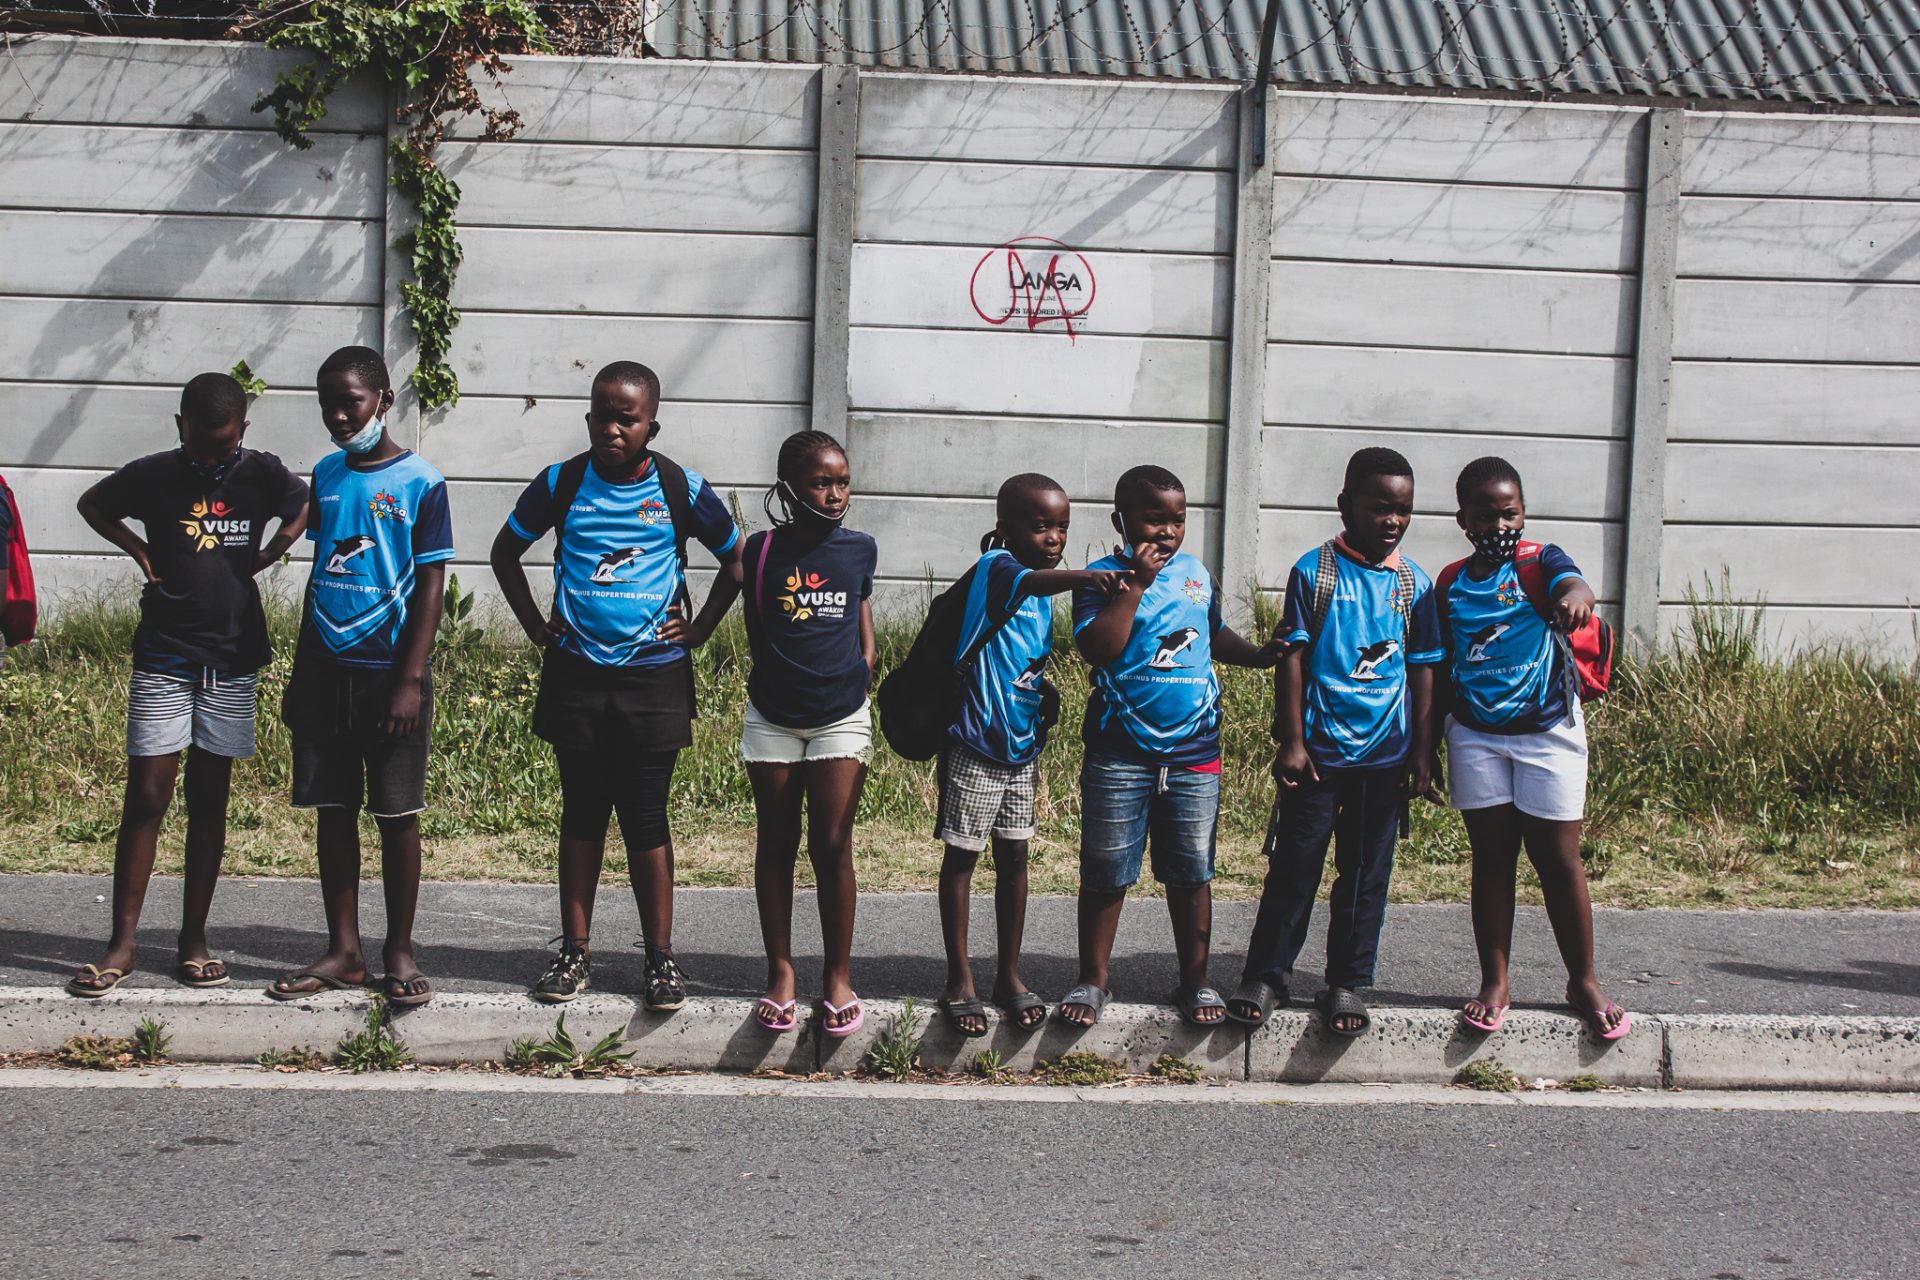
x,y
203,535
803,624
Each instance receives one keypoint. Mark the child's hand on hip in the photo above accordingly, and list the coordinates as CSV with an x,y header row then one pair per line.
x,y
1293,766
675,629
547,634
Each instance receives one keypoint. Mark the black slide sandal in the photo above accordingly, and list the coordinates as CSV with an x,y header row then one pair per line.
x,y
1341,1002
1019,1009
954,1010
1261,995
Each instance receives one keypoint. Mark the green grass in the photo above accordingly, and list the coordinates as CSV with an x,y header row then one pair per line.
x,y
1489,1075
374,1048
1718,778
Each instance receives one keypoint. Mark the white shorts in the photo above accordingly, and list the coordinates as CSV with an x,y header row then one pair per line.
x,y
764,742
1543,775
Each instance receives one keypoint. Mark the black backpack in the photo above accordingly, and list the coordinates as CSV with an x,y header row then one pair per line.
x,y
920,698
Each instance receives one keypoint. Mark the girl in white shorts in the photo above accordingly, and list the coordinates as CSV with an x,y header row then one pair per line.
x,y
809,733
1516,739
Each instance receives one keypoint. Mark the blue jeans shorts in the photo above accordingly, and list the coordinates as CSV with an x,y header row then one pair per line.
x,y
1122,804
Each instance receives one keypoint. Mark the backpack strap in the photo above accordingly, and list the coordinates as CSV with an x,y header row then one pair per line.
x,y
1326,576
760,574
963,665
1533,580
1442,589
566,487
679,496
1404,572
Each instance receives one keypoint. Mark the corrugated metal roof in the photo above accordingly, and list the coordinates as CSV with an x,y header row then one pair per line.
x,y
1831,51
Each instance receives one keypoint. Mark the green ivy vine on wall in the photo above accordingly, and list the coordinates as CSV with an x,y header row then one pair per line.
x,y
427,50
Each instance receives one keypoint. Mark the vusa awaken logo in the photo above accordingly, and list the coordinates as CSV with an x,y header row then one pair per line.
x,y
385,506
1042,280
212,524
807,597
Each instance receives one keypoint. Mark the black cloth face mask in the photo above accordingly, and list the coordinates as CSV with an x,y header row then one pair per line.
x,y
1496,545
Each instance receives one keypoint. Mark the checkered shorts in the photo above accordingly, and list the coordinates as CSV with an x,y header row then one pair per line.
x,y
982,800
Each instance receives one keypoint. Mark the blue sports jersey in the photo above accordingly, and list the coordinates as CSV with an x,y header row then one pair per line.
x,y
1000,705
1355,701
1158,703
371,525
1507,673
617,569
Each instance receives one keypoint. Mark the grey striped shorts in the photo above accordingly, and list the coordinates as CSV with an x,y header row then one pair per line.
x,y
214,713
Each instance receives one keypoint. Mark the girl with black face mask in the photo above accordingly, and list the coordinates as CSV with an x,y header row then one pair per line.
x,y
1516,739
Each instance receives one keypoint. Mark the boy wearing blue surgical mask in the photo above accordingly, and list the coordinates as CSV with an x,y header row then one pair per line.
x,y
360,700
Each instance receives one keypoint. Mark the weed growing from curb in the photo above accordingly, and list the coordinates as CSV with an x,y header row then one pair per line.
x,y
95,1053
376,1048
897,1050
151,1041
991,1067
560,1055
305,1058
1585,1084
1175,1069
1081,1068
1489,1074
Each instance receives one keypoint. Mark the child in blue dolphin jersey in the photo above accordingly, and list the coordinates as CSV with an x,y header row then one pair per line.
x,y
1152,733
616,678
359,703
1351,696
990,769
1517,743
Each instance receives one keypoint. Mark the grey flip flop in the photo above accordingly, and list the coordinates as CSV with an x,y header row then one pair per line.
x,y
1190,1001
1087,995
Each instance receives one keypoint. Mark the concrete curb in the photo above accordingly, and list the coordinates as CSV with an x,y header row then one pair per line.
x,y
1406,1046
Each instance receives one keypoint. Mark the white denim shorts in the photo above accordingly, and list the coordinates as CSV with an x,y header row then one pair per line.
x,y
763,742
1541,774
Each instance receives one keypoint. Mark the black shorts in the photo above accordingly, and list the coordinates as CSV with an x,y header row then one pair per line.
x,y
583,705
341,757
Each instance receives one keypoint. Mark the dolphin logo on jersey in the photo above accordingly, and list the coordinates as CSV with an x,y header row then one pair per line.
x,y
1030,678
613,562
1368,667
1478,642
348,549
1172,645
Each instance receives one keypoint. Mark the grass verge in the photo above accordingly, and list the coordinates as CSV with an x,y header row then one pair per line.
x,y
1719,779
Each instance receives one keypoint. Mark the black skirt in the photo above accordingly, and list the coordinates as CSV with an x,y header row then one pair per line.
x,y
585,706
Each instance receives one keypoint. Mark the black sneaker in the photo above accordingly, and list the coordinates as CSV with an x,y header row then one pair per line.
x,y
666,985
566,978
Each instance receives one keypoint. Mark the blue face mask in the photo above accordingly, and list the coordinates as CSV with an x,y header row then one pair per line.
x,y
366,438
215,472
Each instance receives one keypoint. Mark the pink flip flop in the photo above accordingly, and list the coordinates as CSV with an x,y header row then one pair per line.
x,y
1486,1026
789,1018
1597,1021
834,1011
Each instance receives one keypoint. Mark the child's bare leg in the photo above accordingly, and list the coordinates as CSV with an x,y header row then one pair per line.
x,y
1494,834
833,796
1192,912
1099,920
209,780
143,805
956,909
337,844
778,790
1554,848
400,883
1010,920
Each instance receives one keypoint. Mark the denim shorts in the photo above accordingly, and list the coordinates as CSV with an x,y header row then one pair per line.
x,y
1123,803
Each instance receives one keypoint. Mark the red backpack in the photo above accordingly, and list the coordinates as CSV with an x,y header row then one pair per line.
x,y
1588,650
19,607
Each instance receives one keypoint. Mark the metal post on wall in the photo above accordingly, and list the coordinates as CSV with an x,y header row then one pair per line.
x,y
833,246
1652,376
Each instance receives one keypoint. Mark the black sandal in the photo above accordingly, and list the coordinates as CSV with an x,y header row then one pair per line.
x,y
405,993
1341,1002
954,1010
1261,995
666,985
567,977
1024,1010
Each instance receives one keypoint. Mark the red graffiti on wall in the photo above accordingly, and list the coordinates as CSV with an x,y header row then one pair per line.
x,y
1044,281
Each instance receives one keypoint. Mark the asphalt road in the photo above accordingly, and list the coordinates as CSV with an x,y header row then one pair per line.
x,y
164,1183
491,937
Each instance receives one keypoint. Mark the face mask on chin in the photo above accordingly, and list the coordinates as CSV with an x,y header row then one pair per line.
x,y
363,440
1496,545
812,510
214,472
